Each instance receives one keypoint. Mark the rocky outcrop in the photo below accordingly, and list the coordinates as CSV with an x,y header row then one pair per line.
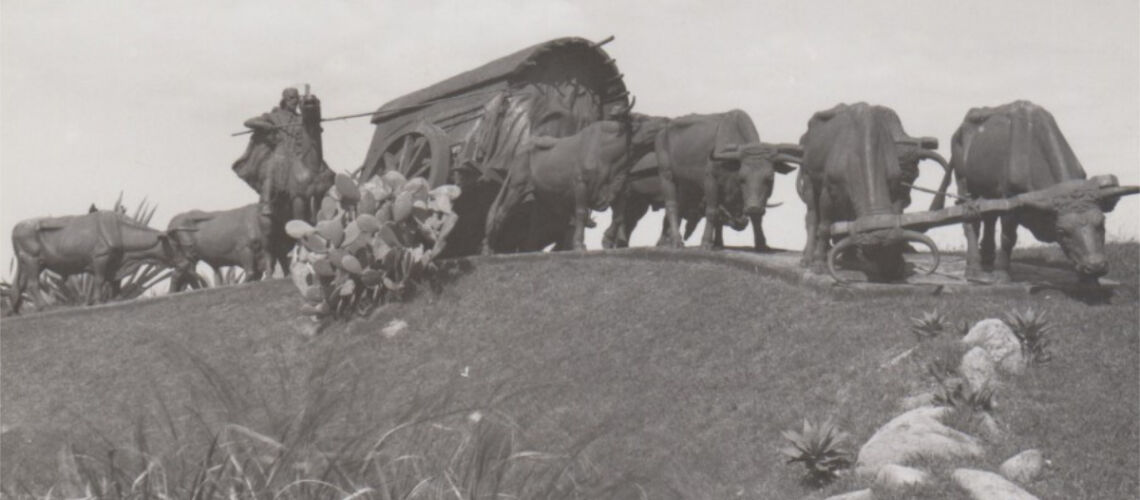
x,y
917,432
1024,467
982,485
1000,343
893,477
854,495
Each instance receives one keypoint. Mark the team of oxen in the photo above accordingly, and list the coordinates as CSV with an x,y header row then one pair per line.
x,y
855,163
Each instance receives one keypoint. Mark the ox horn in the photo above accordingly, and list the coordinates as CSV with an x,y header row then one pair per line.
x,y
1117,191
847,242
774,205
1110,195
917,237
929,154
788,158
904,235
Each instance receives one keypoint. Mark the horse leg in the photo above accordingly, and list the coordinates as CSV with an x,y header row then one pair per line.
x,y
265,194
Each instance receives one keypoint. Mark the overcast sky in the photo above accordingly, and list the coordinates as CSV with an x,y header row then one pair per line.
x,y
141,97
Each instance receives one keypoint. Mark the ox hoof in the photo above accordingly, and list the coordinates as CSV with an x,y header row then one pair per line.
x,y
1001,277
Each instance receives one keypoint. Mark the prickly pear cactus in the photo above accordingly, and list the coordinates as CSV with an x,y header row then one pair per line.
x,y
373,242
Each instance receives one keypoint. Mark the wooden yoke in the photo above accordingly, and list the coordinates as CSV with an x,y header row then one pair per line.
x,y
975,209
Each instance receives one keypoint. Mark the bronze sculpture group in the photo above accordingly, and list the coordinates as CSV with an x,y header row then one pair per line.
x,y
535,158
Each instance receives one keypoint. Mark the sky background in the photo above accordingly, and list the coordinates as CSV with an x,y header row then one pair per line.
x,y
98,98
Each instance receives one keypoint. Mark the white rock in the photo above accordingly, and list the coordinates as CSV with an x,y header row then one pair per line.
x,y
917,432
892,477
1023,467
978,368
854,495
982,485
1000,343
393,328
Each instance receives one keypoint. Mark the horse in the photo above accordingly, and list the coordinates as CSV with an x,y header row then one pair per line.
x,y
292,179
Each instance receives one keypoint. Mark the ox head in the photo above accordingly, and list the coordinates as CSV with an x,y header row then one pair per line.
x,y
1076,222
756,166
178,249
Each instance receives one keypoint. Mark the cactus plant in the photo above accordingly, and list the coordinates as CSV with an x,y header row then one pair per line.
x,y
374,241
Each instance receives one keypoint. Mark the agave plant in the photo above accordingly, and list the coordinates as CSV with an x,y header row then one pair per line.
x,y
374,242
960,396
1032,330
818,447
929,325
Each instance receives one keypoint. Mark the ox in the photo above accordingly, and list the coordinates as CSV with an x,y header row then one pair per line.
x,y
644,192
1018,148
569,176
713,161
858,162
101,243
234,237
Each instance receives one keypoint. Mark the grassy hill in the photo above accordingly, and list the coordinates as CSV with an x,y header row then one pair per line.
x,y
676,376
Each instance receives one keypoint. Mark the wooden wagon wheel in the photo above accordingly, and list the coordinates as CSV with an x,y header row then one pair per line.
x,y
419,153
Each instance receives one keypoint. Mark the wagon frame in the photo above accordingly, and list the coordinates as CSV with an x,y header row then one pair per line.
x,y
432,132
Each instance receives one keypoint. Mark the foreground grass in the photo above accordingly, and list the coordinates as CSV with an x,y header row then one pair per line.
x,y
678,376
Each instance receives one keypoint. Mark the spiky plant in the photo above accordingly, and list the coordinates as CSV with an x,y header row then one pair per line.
x,y
960,396
940,360
819,448
1032,330
929,325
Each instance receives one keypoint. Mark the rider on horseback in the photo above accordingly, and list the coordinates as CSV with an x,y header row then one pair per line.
x,y
279,127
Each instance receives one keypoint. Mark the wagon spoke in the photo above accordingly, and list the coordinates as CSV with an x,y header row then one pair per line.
x,y
405,150
419,170
417,154
420,158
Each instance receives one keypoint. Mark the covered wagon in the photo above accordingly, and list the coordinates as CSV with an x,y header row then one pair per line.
x,y
465,130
